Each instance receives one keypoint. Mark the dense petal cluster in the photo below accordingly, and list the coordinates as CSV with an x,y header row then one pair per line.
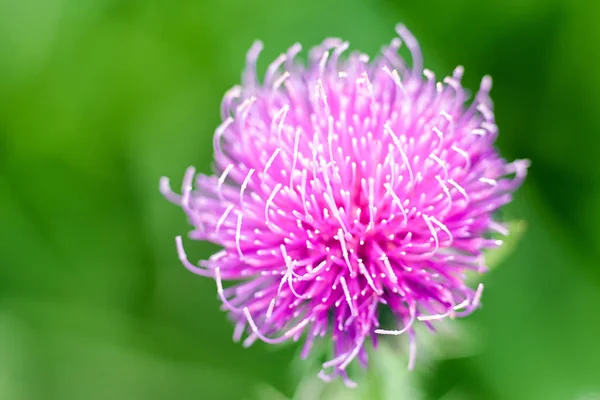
x,y
343,187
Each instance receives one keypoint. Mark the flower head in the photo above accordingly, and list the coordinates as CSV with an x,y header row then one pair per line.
x,y
344,187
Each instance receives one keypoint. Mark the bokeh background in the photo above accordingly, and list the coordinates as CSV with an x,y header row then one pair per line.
x,y
99,98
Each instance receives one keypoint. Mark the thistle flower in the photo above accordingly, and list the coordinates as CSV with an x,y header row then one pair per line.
x,y
345,187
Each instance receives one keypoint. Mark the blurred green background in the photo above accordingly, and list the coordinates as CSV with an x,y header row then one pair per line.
x,y
100,98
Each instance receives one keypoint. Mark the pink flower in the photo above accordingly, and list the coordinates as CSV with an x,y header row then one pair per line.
x,y
345,187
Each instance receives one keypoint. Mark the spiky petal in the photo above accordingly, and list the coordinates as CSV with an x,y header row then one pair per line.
x,y
344,187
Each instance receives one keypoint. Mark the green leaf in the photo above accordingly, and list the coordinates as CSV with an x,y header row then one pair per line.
x,y
387,378
516,230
